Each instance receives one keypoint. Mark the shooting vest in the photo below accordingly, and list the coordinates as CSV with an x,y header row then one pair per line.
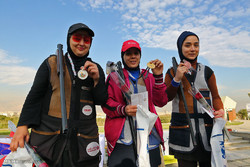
x,y
82,139
179,133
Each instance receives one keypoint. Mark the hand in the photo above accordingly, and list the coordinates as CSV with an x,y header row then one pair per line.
x,y
92,70
21,135
131,110
181,70
219,113
158,67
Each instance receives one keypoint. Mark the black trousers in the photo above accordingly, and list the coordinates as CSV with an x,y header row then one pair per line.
x,y
123,156
186,163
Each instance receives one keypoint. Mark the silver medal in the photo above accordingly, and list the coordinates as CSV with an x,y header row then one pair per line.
x,y
82,74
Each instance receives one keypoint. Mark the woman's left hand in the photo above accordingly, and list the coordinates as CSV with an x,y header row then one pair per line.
x,y
219,113
158,67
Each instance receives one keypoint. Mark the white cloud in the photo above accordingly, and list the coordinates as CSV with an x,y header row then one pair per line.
x,y
82,4
13,74
221,25
207,20
188,3
16,75
5,59
101,3
238,13
224,48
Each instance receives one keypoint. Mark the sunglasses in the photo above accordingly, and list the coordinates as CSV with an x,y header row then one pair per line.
x,y
79,37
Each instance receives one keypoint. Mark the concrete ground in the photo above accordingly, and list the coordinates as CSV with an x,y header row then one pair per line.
x,y
245,127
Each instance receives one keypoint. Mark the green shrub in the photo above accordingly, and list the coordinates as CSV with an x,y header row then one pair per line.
x,y
4,121
242,114
165,118
100,121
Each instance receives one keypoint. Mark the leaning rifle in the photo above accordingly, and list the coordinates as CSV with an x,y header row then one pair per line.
x,y
37,160
175,65
60,73
117,68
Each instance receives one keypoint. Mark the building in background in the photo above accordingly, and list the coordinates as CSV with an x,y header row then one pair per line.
x,y
10,113
248,109
229,108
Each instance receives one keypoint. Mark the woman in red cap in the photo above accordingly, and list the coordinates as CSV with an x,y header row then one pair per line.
x,y
117,127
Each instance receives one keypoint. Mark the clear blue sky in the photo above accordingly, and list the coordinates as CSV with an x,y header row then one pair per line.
x,y
30,31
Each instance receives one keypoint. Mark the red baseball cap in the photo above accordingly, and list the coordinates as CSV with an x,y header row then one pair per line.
x,y
130,44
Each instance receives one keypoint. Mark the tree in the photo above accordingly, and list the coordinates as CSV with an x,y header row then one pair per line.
x,y
242,114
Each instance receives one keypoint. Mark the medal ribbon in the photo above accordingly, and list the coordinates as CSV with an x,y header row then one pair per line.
x,y
72,64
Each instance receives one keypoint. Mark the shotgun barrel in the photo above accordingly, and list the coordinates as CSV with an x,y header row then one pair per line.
x,y
60,72
118,68
175,65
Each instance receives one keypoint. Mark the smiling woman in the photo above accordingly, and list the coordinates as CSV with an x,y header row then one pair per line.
x,y
80,42
132,57
195,150
121,113
42,108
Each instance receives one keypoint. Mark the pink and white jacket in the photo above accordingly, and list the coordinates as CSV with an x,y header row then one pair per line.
x,y
115,106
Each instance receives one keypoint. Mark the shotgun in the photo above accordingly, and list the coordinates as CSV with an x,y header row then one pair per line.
x,y
175,65
130,119
112,67
60,73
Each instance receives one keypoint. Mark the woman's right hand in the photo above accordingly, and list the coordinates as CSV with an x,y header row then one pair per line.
x,y
131,110
21,135
181,70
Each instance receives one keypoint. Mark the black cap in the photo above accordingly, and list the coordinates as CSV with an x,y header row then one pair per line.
x,y
79,26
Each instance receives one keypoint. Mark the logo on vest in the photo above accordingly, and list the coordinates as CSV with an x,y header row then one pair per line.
x,y
87,110
92,148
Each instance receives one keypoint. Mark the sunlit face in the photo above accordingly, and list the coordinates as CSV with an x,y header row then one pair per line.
x,y
132,57
79,45
190,47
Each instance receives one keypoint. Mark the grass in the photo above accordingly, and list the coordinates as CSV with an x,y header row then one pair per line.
x,y
100,123
101,129
4,132
234,123
165,126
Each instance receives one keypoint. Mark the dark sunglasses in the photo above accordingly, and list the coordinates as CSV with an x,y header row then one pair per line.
x,y
79,37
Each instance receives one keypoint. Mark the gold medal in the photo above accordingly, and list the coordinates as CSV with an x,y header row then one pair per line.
x,y
82,74
150,65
